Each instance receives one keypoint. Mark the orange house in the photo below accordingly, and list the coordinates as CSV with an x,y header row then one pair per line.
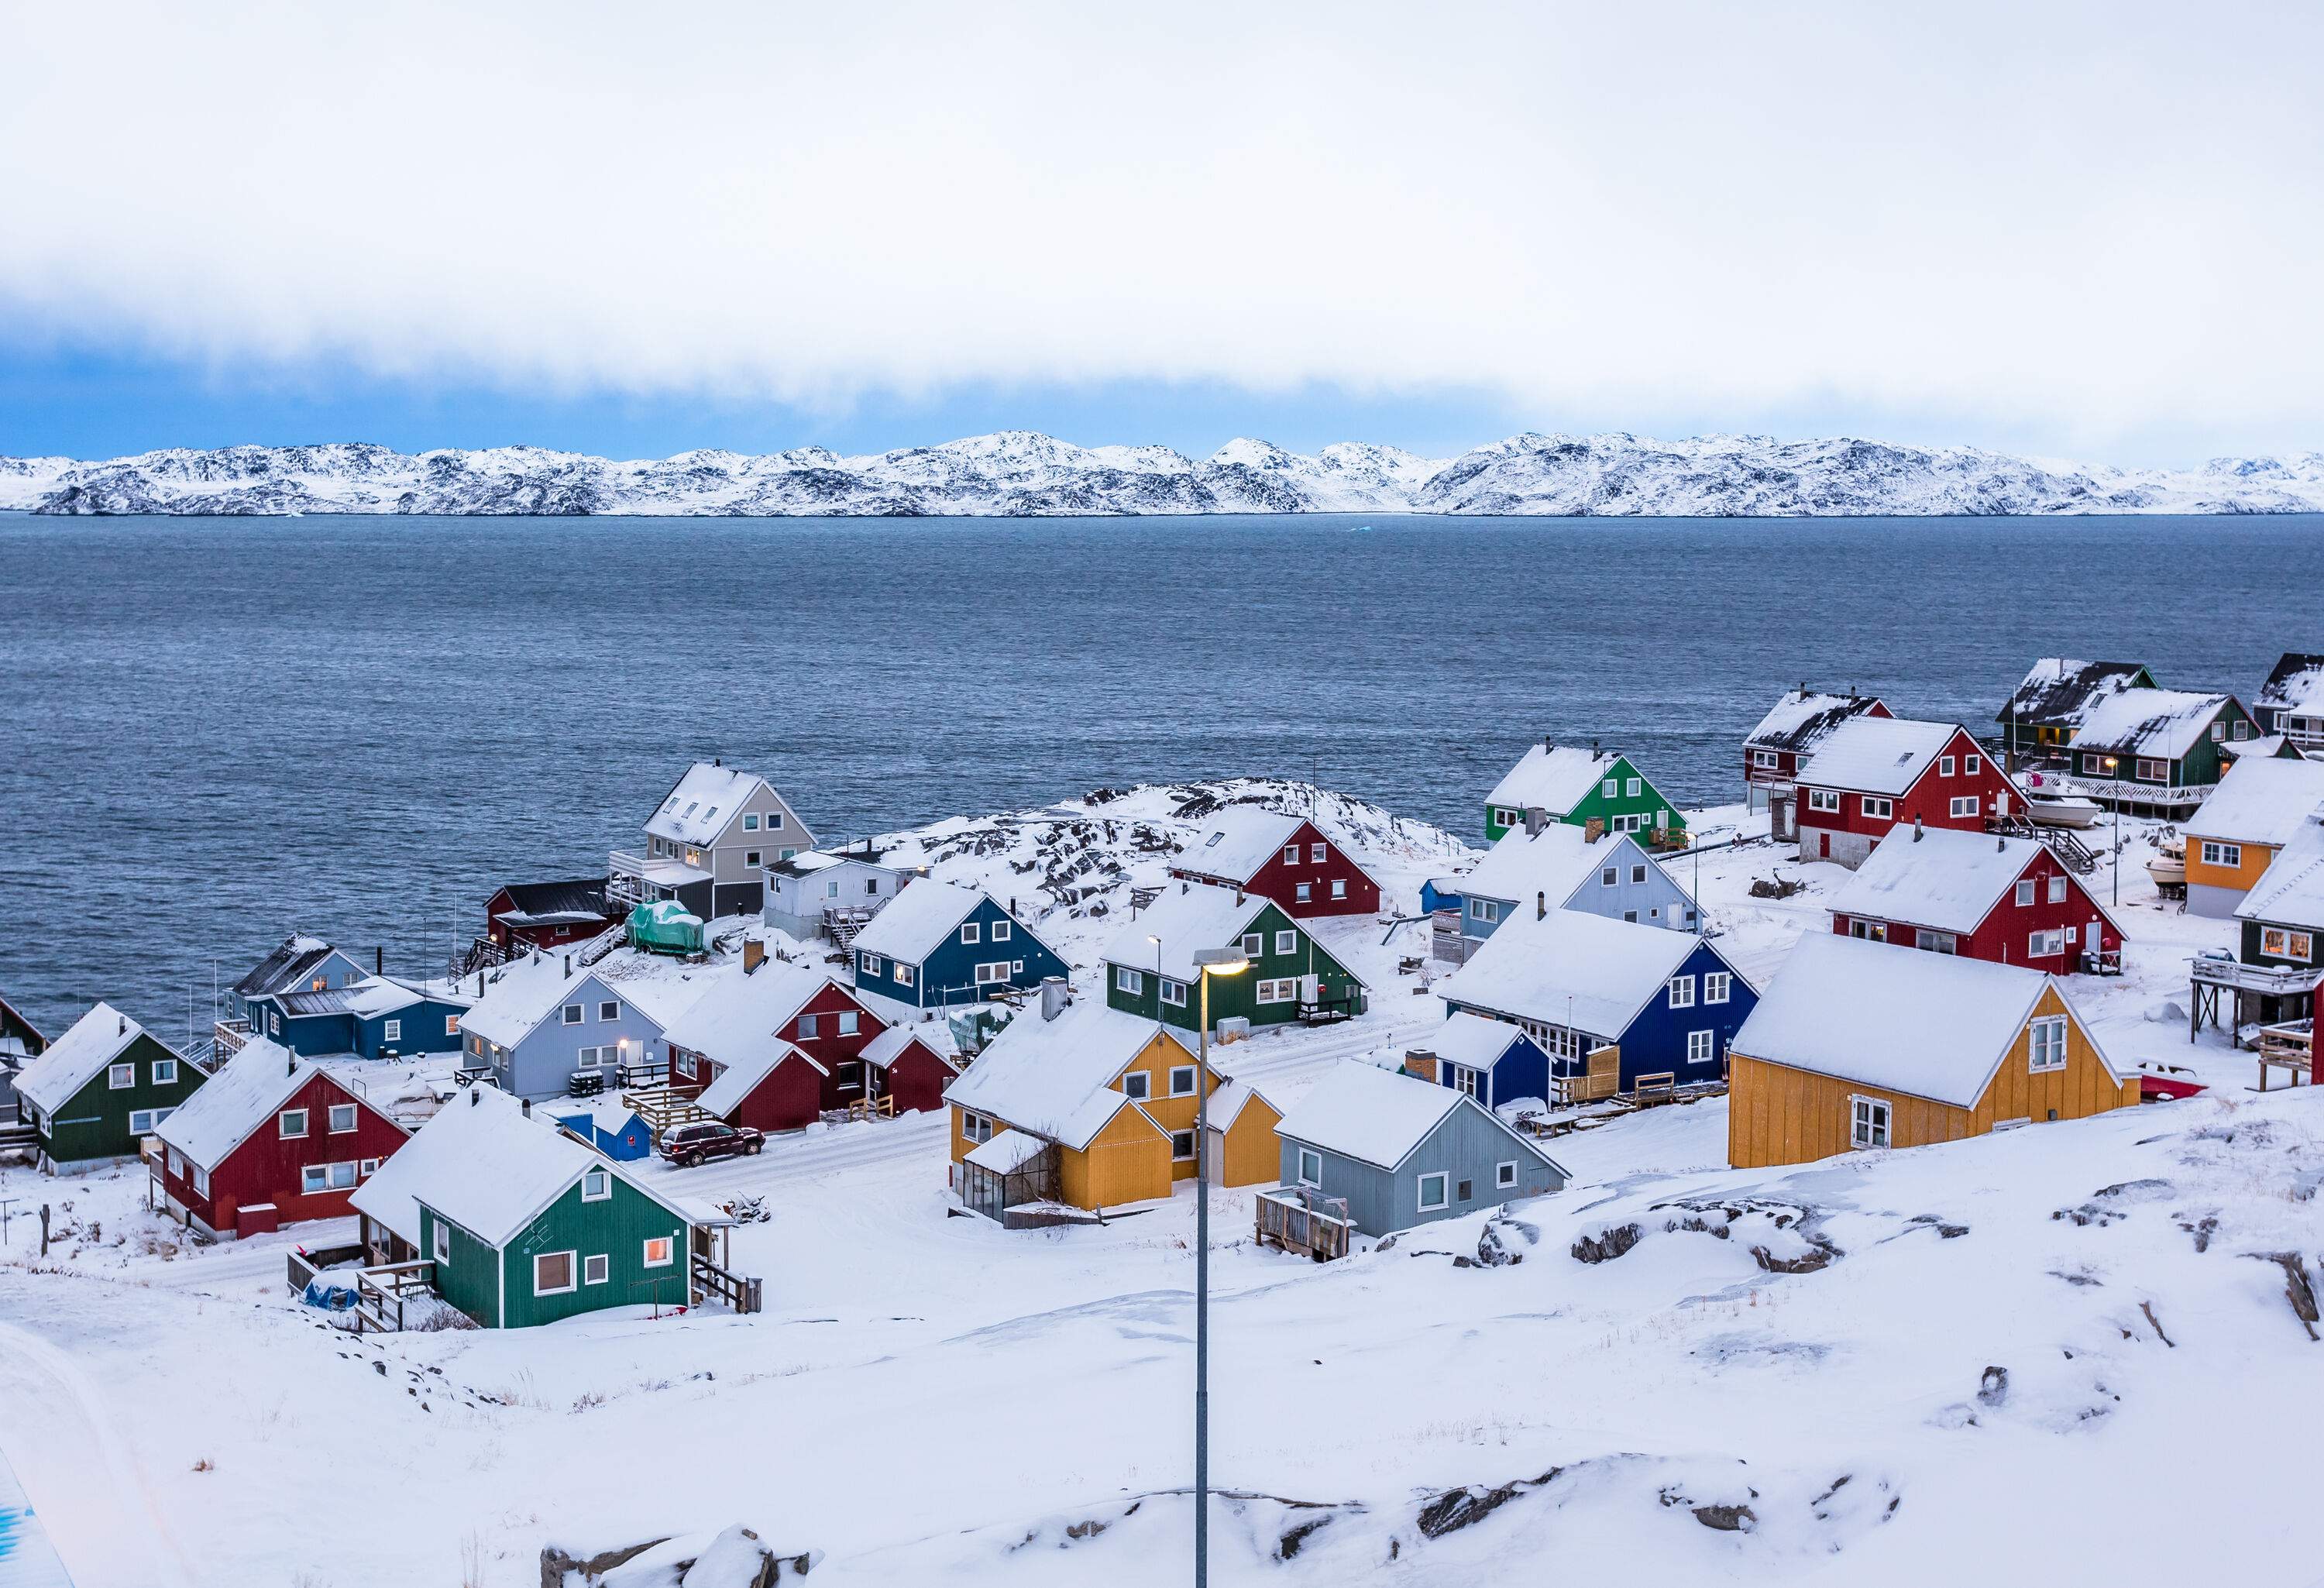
x,y
1093,1107
2232,836
1860,1045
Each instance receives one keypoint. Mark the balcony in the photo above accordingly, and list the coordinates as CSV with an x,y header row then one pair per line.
x,y
632,879
228,1037
2270,981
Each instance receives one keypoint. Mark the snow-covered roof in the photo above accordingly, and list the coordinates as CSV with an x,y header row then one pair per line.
x,y
244,1092
578,899
1571,969
742,1013
2259,801
2058,691
697,810
525,992
1932,1025
750,1065
481,1163
1054,1078
1378,1116
1241,839
2296,684
1470,1041
1803,716
1227,1101
1939,878
1188,917
1007,1152
918,919
609,1114
74,1059
1556,860
2290,891
1552,778
286,966
2268,746
935,1035
1877,754
807,861
368,999
2162,723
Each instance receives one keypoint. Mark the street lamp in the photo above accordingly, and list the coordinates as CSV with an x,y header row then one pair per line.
x,y
2113,762
1208,962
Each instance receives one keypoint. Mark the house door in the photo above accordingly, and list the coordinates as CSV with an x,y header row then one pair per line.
x,y
1823,845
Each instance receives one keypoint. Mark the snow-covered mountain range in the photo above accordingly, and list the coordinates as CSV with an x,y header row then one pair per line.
x,y
1020,473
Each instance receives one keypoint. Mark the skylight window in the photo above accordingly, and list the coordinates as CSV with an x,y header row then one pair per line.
x,y
690,806
671,806
709,814
1212,841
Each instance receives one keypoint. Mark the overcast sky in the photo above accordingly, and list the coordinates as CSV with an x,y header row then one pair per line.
x,y
2083,231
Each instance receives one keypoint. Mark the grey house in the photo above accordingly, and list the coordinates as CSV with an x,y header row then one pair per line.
x,y
829,893
1402,1151
1555,865
708,844
558,1014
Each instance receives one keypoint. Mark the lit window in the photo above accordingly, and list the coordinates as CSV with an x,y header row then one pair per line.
x,y
120,1077
659,1252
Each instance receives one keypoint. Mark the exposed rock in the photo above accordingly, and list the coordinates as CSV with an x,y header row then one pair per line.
x,y
1606,1244
2299,1290
1993,1386
1727,1519
1456,1509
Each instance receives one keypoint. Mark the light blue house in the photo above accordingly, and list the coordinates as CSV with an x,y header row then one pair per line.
x,y
938,946
1556,866
824,893
550,1020
301,965
1576,982
1401,1152
1492,1061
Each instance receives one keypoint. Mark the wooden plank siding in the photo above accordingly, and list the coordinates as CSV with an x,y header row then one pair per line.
x,y
1251,1153
1777,1114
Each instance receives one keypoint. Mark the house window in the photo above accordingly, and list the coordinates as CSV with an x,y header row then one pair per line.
x,y
750,822
1963,805
1174,993
291,1123
1637,787
596,1184
1305,891
1465,1190
1484,910
2024,892
2218,733
609,1011
1716,986
317,1177
2230,855
775,824
1608,788
165,1072
851,1023
1432,1188
1878,809
2153,771
749,857
1824,799
1339,887
871,964
1868,1123
1287,942
999,932
342,1118
552,1273
368,1167
1126,980
2243,729
1682,991
659,1252
275,1022
2045,1043
783,855
1944,766
2283,943
975,1127
1609,877
451,1025
1936,942
1016,967
1310,1168
1637,873
809,1027
391,1030
1182,1080
685,1063
1764,758
1137,1085
2094,766
2058,888
140,1122
1282,990
572,1014
595,1266
120,1077
1291,854
1465,1080
1254,943
1631,916
1701,1047
2042,945
442,1243
201,1181
903,973
1182,1147
992,972
1505,1174
971,932
1969,765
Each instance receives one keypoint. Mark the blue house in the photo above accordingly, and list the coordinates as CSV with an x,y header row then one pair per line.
x,y
551,1017
1440,893
375,1017
936,945
1555,866
607,1124
1492,1061
1403,1152
1576,983
301,965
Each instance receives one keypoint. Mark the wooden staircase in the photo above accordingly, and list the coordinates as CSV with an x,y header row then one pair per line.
x,y
2075,855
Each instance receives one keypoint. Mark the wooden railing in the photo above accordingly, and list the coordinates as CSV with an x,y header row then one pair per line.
x,y
1601,1077
739,1291
1302,1219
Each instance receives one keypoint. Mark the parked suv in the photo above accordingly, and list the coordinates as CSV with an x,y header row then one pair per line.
x,y
692,1144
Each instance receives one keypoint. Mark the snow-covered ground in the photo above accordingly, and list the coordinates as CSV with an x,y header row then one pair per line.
x,y
2063,1353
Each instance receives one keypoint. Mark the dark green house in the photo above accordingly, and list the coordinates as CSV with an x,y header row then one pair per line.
x,y
1149,968
2057,694
2158,751
524,1224
101,1087
1569,784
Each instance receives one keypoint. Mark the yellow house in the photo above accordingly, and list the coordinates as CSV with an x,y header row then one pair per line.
x,y
1860,1045
2233,834
1095,1108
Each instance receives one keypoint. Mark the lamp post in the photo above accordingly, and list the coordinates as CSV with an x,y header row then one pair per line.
x,y
1208,962
2113,765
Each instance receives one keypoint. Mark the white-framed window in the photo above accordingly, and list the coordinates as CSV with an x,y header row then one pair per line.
x,y
368,1167
1636,787
451,1025
120,1077
1174,993
2093,765
2151,770
1609,787
1867,1121
552,1273
1279,990
1877,808
750,821
1182,1147
1291,854
571,1014
975,1127
275,1022
609,1010
992,972
177,1160
1609,877
1962,805
291,1123
660,1251
902,973
2283,943
1936,942
1637,873
1701,1047
1682,991
442,1243
2058,888
1944,766
1126,980
596,1184
782,853
391,1030
1137,1085
1016,967
1182,1080
1435,1191
1287,942
2045,1043
1484,910
1339,887
142,1121
317,1177
1765,758
201,1181
685,1062
775,824
2218,733
1254,943
851,1023
871,964
2230,855
1505,1174
2043,945
1311,1166
165,1072
999,932
341,1119
596,1268
1465,1080
972,932
1969,765
1304,892
1826,800
1717,987
2025,894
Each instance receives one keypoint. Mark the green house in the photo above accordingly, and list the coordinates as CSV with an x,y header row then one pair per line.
x,y
1149,968
1567,783
2158,751
2056,696
524,1224
102,1087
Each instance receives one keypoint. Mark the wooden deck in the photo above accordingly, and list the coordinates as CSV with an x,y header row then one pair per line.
x,y
1301,1220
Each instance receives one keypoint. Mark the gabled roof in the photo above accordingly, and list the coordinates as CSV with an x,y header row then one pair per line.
x,y
1877,756
1228,1099
244,1094
1558,861
740,1015
1054,1078
750,1065
2058,691
2297,684
11,1015
1381,1117
368,999
540,903
1007,1151
75,1059
286,967
2288,893
917,920
1571,969
1188,917
2161,722
1932,1025
1939,877
702,802
1241,839
1552,778
1471,1040
526,990
807,861
2259,801
1802,716
935,1035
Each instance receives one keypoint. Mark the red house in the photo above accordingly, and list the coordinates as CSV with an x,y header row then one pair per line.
x,y
774,1044
1282,858
2004,899
913,1064
549,915
1772,751
1871,775
270,1139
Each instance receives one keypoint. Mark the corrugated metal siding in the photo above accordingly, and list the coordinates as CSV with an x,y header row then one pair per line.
x,y
617,1228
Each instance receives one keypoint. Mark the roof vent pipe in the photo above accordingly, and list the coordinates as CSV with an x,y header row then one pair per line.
x,y
378,960
122,1029
1541,906
1548,742
524,1106
568,964
475,1096
290,1062
2001,843
1916,830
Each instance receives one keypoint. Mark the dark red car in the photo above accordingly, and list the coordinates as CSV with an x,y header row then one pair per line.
x,y
689,1145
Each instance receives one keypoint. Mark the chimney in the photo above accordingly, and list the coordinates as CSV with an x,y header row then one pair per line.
x,y
476,1094
754,952
1238,893
524,1106
290,1062
1182,884
1055,996
1535,819
122,1029
378,960
1541,906
2001,843
1593,749
1549,743
568,964
1916,830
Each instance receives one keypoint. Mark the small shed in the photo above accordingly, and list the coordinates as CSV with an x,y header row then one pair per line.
x,y
1492,1061
911,1064
607,1123
1402,1151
